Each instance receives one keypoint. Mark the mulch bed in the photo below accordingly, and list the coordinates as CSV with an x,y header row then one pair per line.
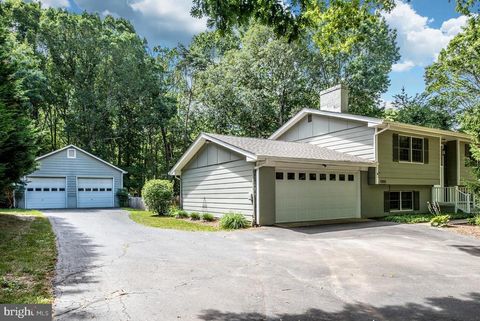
x,y
465,229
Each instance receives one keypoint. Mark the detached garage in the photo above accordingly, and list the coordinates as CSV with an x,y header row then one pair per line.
x,y
71,178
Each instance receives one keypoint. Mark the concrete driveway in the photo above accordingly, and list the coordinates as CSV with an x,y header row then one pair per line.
x,y
110,268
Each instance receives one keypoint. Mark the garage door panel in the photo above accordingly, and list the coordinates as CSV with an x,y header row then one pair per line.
x,y
308,200
95,192
45,192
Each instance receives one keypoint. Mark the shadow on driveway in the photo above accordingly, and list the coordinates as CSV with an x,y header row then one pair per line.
x,y
436,309
327,228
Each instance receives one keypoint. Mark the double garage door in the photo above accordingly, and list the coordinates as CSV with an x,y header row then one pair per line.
x,y
314,195
51,192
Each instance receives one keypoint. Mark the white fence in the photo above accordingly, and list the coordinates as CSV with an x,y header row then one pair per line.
x,y
136,202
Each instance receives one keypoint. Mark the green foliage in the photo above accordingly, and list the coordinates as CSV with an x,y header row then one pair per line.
x,y
420,218
123,196
194,216
233,221
148,219
474,220
181,214
208,217
157,195
440,220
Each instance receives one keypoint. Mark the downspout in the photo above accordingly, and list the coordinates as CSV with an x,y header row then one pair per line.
x,y
375,143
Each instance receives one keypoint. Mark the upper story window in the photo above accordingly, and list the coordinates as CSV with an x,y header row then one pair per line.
x,y
71,153
410,149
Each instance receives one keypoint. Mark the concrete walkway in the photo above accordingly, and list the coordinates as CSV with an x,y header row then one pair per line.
x,y
111,268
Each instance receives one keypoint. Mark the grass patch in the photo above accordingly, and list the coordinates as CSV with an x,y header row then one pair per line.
x,y
419,218
149,219
28,254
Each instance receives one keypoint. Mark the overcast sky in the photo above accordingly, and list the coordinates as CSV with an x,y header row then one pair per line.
x,y
424,28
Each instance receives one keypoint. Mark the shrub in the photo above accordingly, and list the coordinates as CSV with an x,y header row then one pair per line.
x,y
207,217
122,195
474,220
194,216
181,214
233,221
157,195
172,211
440,220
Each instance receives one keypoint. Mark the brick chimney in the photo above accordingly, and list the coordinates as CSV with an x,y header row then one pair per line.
x,y
334,99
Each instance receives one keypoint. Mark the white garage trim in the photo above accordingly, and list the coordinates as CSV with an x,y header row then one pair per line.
x,y
95,177
25,194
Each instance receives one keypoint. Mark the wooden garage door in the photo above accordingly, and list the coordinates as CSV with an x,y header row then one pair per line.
x,y
314,195
95,192
45,192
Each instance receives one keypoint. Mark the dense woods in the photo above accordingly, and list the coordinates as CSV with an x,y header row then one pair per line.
x,y
94,82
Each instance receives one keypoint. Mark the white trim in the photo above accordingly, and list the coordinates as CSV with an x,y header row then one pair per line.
x,y
100,177
195,147
299,116
400,201
411,150
74,153
427,131
257,196
83,151
25,179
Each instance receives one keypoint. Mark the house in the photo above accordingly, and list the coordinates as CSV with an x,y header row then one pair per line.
x,y
71,178
326,164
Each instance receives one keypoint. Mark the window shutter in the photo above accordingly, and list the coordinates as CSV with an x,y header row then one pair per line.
x,y
416,200
395,147
386,202
425,150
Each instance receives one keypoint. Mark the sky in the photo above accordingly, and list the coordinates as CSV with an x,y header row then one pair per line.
x,y
424,27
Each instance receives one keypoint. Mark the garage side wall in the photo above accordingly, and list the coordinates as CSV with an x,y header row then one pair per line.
x,y
58,165
218,181
373,197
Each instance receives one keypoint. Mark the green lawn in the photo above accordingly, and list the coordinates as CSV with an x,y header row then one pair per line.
x,y
149,219
28,255
420,218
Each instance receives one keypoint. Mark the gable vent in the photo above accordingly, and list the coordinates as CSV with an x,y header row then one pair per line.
x,y
71,153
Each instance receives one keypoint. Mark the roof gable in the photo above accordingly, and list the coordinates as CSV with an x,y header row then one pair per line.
x,y
82,151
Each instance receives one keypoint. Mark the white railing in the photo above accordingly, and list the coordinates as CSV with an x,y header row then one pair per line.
x,y
458,196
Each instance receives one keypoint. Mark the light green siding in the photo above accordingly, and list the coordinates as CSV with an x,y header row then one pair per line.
x,y
399,173
266,193
373,202
466,173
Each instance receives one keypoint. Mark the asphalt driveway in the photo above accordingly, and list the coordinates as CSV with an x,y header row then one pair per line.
x,y
111,268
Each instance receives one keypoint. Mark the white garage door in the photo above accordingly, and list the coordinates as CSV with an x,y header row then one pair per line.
x,y
45,192
310,195
95,192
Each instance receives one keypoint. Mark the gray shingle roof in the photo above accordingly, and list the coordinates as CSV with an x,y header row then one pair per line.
x,y
276,148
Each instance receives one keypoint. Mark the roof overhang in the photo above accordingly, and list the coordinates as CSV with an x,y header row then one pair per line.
x,y
370,121
434,132
83,151
268,159
201,140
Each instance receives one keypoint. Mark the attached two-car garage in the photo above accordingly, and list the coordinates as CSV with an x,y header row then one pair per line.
x,y
72,178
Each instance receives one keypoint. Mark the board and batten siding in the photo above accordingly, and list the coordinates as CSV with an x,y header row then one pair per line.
x,y
405,173
346,136
58,165
218,181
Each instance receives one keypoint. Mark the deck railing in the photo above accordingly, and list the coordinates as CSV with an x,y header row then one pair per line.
x,y
457,196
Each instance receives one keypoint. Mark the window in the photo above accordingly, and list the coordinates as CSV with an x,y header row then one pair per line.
x,y
302,176
109,189
279,175
54,189
351,177
290,176
61,189
333,177
401,201
322,177
88,189
309,118
95,189
410,149
71,153
46,189
312,176
341,177
30,189
80,189
102,190
37,189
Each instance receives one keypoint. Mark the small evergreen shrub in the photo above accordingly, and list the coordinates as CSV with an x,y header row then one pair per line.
x,y
440,220
157,195
207,217
233,221
194,216
122,195
181,214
